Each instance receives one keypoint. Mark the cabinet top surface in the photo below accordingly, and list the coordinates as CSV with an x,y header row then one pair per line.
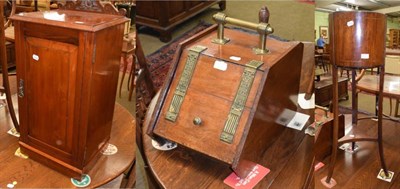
x,y
71,19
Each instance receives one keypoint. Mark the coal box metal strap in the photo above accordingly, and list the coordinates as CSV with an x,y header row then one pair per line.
x,y
184,82
240,101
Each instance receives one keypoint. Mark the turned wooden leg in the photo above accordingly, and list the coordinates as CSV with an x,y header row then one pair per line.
x,y
380,113
131,80
125,57
335,124
354,102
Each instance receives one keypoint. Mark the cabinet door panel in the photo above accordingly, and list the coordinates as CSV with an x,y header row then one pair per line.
x,y
50,72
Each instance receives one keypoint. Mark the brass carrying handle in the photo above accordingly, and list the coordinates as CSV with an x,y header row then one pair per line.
x,y
262,28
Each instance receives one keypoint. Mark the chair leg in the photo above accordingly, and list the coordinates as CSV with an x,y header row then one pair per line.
x,y
131,79
390,106
396,111
132,87
133,67
6,84
125,57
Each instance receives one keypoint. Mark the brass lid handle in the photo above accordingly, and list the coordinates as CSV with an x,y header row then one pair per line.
x,y
197,121
263,28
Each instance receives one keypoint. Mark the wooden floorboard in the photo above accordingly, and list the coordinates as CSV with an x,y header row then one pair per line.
x,y
360,169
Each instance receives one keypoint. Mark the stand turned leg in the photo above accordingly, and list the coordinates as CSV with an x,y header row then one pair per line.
x,y
354,102
329,182
380,112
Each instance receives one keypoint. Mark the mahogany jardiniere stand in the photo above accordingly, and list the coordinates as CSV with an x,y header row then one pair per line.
x,y
358,42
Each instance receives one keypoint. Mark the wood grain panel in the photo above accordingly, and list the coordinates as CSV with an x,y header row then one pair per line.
x,y
210,95
42,85
68,70
358,39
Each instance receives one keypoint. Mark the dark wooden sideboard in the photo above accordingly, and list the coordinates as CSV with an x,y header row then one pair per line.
x,y
163,16
323,91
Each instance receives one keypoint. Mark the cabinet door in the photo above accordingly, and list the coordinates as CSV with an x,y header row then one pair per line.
x,y
50,78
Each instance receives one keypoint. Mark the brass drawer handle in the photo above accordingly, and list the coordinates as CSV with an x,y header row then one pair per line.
x,y
197,121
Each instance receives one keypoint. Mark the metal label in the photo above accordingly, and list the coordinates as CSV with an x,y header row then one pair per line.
x,y
239,102
220,65
184,82
350,23
364,56
35,57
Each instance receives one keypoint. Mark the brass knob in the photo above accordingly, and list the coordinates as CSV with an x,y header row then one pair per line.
x,y
197,121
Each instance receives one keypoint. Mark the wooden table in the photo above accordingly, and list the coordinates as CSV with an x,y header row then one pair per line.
x,y
184,168
391,88
30,174
392,51
370,84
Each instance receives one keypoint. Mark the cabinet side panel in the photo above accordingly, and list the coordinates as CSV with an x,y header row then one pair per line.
x,y
102,89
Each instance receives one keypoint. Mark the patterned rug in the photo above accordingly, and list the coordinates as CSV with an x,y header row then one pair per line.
x,y
159,61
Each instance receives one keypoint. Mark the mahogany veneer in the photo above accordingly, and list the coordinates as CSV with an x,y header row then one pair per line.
x,y
68,66
31,174
358,40
212,91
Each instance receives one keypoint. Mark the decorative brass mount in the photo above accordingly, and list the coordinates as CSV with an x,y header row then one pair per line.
x,y
239,102
186,77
